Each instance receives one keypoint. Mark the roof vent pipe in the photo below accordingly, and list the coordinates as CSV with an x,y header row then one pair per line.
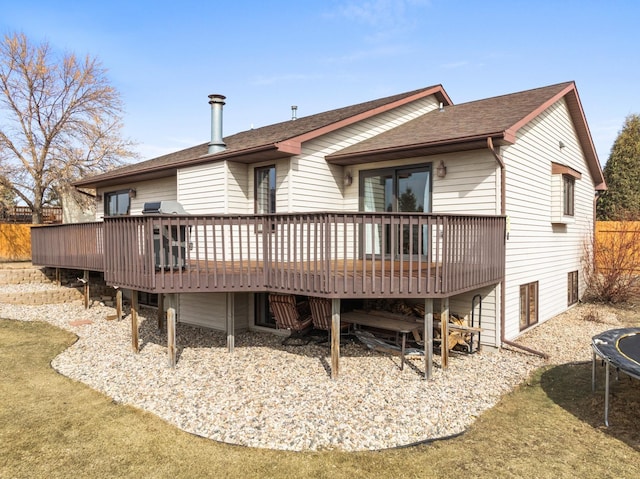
x,y
294,112
216,144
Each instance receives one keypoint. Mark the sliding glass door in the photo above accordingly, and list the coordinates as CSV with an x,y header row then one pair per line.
x,y
406,189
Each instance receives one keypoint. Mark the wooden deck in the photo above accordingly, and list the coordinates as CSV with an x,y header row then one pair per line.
x,y
316,254
372,275
344,278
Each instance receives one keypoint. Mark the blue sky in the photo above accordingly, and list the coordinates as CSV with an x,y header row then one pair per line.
x,y
264,56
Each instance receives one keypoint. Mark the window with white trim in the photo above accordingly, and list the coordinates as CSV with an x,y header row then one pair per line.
x,y
568,195
563,186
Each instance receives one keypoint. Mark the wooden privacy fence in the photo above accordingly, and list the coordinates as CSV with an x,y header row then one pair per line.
x,y
15,242
24,215
617,245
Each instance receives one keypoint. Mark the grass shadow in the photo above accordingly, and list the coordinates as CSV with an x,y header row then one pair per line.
x,y
569,386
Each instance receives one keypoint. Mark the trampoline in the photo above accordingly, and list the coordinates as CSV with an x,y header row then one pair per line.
x,y
619,348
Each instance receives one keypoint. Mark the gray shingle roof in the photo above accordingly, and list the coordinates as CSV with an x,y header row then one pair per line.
x,y
247,141
465,125
468,125
458,123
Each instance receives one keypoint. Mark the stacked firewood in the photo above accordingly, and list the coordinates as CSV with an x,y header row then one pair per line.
x,y
455,337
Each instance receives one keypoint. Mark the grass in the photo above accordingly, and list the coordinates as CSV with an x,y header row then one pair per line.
x,y
51,426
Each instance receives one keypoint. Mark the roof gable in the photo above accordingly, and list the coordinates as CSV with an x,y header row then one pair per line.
x,y
265,143
468,126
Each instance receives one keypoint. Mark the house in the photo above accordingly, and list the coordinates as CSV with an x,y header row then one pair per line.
x,y
482,207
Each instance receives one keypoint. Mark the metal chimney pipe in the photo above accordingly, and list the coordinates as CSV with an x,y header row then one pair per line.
x,y
216,144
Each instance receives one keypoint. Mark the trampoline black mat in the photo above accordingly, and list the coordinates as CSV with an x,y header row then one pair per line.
x,y
620,347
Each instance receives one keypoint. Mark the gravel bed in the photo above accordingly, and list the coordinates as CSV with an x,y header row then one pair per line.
x,y
270,396
28,288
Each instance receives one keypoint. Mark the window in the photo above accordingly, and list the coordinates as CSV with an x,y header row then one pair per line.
x,y
148,299
568,187
117,203
563,184
265,190
572,288
528,305
406,189
263,315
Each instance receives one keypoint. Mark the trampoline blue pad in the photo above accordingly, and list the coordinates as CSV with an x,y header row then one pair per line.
x,y
621,347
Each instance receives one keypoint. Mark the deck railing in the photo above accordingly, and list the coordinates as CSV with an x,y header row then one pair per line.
x,y
73,246
320,254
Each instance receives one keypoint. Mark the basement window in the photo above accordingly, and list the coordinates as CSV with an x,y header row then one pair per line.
x,y
528,305
572,288
148,299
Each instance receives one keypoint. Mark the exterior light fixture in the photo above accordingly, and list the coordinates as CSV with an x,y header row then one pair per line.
x,y
348,179
441,170
132,193
561,145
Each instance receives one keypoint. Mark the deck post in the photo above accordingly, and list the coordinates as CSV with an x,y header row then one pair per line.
x,y
57,279
171,336
160,310
230,322
118,303
85,284
444,329
335,337
134,321
428,338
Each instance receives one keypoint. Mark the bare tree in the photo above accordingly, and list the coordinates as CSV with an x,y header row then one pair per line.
x,y
61,121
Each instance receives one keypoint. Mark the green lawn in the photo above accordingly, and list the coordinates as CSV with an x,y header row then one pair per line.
x,y
52,427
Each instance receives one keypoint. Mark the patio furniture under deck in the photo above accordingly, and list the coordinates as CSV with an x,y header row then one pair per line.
x,y
402,327
290,315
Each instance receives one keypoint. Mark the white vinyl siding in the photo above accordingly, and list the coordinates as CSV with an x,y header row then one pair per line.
x,y
209,310
319,186
303,183
202,189
470,186
537,249
461,305
162,189
238,197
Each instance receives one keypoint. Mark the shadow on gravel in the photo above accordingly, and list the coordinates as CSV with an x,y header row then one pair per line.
x,y
569,386
188,336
